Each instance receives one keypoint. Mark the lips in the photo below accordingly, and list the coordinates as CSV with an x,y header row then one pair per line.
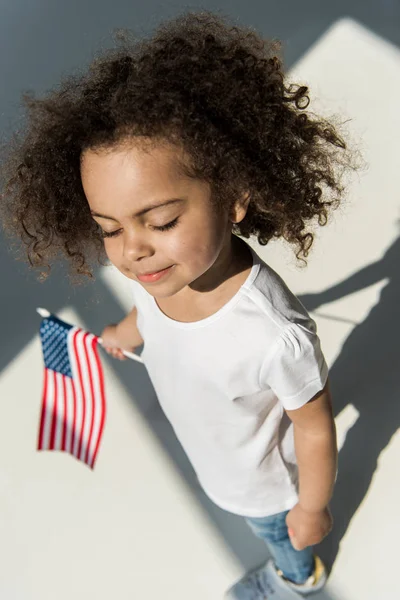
x,y
154,276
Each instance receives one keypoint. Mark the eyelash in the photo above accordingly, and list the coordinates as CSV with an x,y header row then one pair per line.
x,y
165,227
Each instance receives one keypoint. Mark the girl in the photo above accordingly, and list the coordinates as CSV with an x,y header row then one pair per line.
x,y
160,156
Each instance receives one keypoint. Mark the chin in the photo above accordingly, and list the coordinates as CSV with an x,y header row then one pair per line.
x,y
159,293
167,290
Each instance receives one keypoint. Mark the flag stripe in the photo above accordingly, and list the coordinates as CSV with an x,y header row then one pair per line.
x,y
80,401
73,419
85,388
65,416
68,413
97,404
53,415
98,422
75,393
60,413
102,402
89,355
49,411
43,415
89,398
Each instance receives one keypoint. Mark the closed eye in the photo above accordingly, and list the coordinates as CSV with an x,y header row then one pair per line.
x,y
107,234
166,227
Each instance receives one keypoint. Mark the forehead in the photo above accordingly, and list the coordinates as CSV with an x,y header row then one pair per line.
x,y
135,163
129,177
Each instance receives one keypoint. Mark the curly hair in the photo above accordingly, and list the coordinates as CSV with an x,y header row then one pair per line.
x,y
214,89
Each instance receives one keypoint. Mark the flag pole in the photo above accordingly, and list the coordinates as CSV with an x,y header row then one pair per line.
x,y
43,312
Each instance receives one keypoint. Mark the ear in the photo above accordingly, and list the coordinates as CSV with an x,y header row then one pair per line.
x,y
239,208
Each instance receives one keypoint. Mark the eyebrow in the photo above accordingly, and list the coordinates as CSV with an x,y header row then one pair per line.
x,y
143,211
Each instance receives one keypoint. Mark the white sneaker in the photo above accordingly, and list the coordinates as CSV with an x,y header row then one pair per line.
x,y
314,583
262,583
267,583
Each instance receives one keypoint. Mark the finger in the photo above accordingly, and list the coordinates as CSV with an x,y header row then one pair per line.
x,y
120,354
293,540
296,545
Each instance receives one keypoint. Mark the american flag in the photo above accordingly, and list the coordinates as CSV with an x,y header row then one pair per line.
x,y
73,403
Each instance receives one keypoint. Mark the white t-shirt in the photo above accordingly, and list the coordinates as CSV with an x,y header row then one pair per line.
x,y
224,382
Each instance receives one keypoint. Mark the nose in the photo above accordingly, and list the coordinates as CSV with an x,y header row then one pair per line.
x,y
136,247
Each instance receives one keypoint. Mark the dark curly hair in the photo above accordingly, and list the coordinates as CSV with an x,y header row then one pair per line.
x,y
214,89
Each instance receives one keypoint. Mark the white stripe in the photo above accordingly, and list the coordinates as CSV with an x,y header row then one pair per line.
x,y
97,404
60,412
78,390
70,407
49,410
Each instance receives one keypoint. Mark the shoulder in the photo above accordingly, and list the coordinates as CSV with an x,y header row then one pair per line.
x,y
276,302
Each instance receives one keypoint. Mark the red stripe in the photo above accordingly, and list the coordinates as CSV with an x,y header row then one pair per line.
x,y
65,414
103,403
93,344
44,408
69,410
73,419
83,395
54,415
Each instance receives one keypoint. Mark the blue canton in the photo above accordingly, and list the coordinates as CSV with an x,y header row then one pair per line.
x,y
54,333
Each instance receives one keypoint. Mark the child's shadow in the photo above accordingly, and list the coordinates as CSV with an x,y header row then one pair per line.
x,y
367,375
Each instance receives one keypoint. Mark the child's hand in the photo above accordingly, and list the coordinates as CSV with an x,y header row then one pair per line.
x,y
308,528
111,344
123,336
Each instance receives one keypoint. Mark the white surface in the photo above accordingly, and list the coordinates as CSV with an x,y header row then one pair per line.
x,y
122,528
350,71
132,528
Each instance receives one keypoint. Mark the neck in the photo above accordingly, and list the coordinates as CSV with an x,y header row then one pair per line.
x,y
233,258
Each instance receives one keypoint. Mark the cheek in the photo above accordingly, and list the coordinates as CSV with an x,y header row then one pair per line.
x,y
113,251
197,246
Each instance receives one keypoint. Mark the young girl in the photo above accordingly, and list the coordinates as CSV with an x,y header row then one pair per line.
x,y
163,154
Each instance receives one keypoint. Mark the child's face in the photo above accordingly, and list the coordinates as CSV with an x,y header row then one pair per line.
x,y
184,237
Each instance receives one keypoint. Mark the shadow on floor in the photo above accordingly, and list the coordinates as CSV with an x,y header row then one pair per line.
x,y
365,374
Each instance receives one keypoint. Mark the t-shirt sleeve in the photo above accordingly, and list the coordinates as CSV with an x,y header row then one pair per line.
x,y
295,368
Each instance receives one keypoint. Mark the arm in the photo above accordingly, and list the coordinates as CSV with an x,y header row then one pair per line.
x,y
127,332
122,336
316,450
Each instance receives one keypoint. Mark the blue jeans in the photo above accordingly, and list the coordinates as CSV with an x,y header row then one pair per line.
x,y
296,565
